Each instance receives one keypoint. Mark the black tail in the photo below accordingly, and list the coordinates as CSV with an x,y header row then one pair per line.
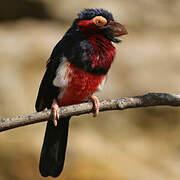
x,y
54,148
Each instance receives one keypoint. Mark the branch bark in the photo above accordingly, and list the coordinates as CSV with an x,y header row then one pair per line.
x,y
146,100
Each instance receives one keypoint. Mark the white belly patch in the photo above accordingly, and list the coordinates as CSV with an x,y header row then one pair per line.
x,y
61,80
101,86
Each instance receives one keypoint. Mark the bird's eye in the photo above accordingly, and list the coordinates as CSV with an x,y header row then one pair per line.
x,y
99,21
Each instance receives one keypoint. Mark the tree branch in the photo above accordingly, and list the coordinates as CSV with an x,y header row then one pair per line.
x,y
150,99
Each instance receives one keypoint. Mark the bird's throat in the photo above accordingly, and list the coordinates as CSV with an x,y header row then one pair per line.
x,y
103,52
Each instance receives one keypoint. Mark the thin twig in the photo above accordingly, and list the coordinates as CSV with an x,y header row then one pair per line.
x,y
150,99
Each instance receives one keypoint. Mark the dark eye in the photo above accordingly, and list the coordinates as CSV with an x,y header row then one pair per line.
x,y
99,21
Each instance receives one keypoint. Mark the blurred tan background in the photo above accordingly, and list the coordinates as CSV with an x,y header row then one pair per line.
x,y
137,144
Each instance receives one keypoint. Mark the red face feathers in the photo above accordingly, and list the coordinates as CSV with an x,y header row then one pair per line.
x,y
99,21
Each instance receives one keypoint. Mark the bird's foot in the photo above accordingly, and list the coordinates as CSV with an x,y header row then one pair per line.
x,y
96,103
55,112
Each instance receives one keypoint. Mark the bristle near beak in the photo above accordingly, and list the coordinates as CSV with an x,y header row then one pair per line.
x,y
113,30
116,29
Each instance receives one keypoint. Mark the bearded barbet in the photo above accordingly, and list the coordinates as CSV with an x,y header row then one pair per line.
x,y
77,67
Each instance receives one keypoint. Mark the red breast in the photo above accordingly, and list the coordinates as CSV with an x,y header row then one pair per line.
x,y
80,86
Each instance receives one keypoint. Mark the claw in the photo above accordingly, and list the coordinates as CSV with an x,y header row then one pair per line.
x,y
96,103
55,112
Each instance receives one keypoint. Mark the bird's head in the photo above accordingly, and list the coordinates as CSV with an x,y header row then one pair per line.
x,y
99,21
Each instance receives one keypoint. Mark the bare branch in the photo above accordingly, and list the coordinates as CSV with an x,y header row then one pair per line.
x,y
150,99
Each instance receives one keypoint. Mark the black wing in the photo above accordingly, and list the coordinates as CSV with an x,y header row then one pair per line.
x,y
68,47
47,91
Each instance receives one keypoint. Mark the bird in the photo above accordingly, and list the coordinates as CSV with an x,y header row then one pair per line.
x,y
77,67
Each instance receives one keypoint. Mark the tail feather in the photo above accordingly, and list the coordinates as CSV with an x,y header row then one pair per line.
x,y
54,148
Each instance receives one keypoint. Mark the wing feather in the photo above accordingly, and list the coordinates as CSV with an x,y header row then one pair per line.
x,y
47,91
